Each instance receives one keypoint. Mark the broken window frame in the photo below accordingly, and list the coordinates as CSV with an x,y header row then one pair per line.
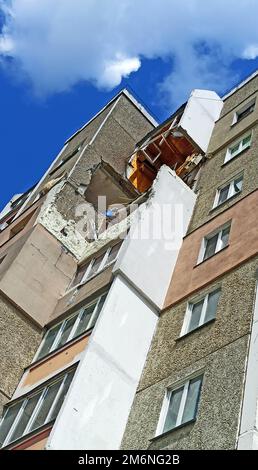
x,y
240,146
185,386
72,335
204,310
24,400
103,265
231,190
219,242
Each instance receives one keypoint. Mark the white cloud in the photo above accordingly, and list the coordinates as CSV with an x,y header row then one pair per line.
x,y
251,52
59,43
116,69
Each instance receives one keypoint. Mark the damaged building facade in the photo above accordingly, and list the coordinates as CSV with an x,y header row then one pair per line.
x,y
128,283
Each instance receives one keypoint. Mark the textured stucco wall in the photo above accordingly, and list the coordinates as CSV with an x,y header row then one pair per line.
x,y
19,340
240,95
38,275
219,348
214,173
219,407
115,141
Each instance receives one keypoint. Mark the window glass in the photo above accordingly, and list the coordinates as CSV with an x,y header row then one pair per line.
x,y
59,402
66,331
245,113
246,141
238,184
173,409
100,305
210,246
223,194
25,417
225,237
235,149
8,420
212,304
195,315
79,274
192,400
48,341
95,266
113,253
46,405
85,319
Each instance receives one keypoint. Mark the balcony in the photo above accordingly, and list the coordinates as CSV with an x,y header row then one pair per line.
x,y
180,142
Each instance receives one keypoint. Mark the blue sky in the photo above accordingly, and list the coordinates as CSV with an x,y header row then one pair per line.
x,y
59,67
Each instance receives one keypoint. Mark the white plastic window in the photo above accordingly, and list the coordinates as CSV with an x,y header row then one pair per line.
x,y
238,147
214,242
73,326
180,405
228,190
96,265
34,410
200,312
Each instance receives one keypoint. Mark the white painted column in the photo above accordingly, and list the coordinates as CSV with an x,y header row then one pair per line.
x,y
96,409
248,435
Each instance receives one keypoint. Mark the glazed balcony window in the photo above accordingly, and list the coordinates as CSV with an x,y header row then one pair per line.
x,y
36,409
72,327
96,265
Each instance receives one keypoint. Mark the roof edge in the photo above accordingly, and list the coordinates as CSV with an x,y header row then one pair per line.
x,y
129,95
240,85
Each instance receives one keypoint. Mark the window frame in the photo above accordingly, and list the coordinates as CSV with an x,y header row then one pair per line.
x,y
25,399
103,265
165,406
249,105
231,192
189,309
218,247
63,323
229,156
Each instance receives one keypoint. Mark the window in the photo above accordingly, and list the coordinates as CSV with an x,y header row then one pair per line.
x,y
73,326
200,312
35,410
244,111
96,265
229,190
214,243
238,147
181,404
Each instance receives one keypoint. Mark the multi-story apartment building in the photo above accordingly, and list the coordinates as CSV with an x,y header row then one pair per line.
x,y
128,283
199,387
